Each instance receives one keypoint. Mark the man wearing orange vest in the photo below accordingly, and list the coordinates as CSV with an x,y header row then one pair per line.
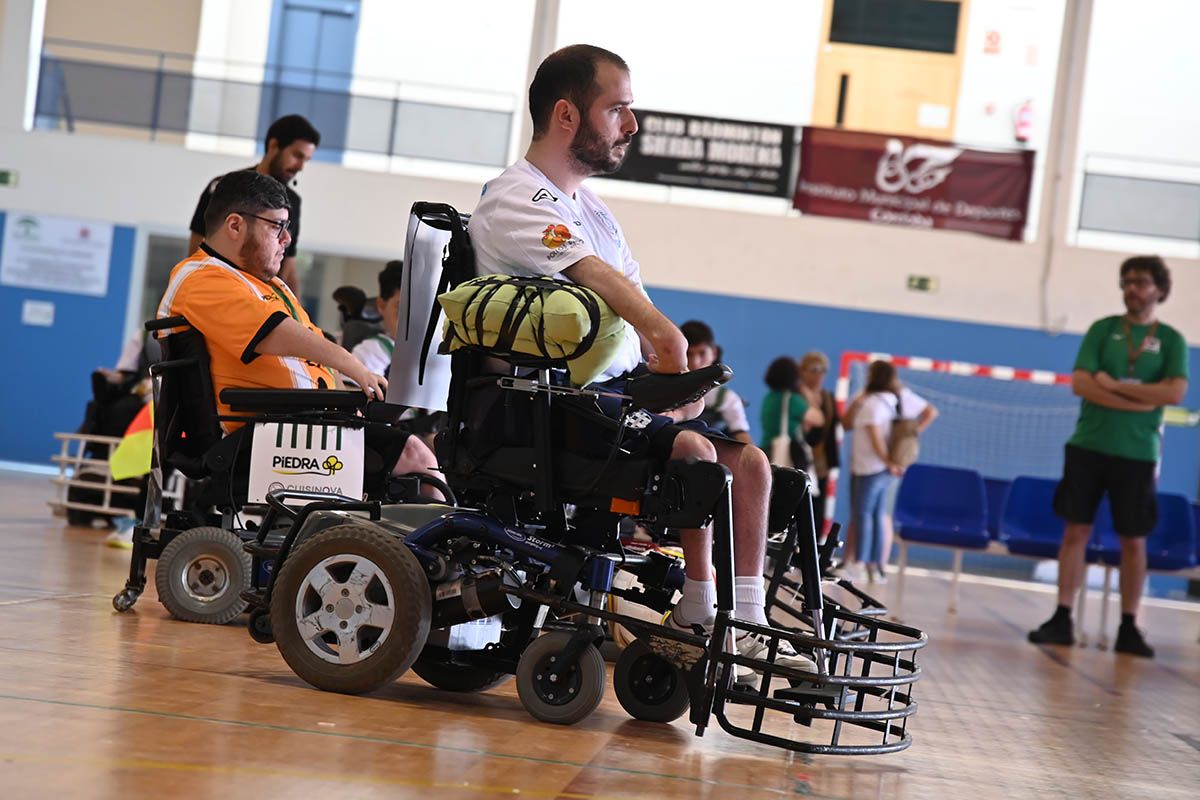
x,y
257,333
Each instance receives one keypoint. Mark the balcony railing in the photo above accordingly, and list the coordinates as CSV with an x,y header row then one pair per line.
x,y
160,92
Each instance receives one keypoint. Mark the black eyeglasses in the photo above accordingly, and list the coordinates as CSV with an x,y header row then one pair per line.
x,y
1138,282
280,225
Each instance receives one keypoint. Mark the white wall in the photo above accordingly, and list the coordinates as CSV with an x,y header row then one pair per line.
x,y
1141,101
753,61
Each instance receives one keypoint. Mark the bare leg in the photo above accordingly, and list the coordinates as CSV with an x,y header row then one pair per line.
x,y
1133,573
417,457
886,532
1072,555
751,498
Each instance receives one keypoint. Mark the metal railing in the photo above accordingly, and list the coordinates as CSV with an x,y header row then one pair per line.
x,y
162,92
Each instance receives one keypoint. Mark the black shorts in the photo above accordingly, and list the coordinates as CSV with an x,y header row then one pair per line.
x,y
1089,475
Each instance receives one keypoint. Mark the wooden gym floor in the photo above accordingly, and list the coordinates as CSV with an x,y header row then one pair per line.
x,y
96,704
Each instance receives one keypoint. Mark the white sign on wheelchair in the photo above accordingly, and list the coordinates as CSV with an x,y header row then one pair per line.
x,y
306,458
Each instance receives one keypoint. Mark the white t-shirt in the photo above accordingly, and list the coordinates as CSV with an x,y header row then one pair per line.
x,y
879,409
731,408
375,353
524,225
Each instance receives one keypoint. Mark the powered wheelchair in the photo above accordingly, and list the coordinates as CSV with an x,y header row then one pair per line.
x,y
203,567
512,579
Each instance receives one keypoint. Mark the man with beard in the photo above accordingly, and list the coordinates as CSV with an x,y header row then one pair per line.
x,y
1128,368
257,334
290,142
538,219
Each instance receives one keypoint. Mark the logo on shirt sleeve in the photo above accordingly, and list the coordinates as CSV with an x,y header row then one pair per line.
x,y
543,194
555,236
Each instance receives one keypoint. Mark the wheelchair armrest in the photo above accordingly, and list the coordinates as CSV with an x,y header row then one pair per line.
x,y
167,322
284,400
656,392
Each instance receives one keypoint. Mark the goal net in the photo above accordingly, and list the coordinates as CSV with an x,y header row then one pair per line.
x,y
1000,421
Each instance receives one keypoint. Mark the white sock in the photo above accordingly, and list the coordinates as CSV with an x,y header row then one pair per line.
x,y
751,598
698,606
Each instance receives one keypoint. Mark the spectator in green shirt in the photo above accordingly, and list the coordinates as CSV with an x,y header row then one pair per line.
x,y
1128,368
783,381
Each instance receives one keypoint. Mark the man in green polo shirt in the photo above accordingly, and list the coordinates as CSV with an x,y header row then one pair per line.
x,y
1128,368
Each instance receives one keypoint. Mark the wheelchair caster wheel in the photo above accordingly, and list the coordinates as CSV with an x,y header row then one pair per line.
x,y
124,599
562,697
648,686
259,625
201,575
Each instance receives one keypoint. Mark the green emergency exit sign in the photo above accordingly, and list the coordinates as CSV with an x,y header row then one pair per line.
x,y
8,177
922,283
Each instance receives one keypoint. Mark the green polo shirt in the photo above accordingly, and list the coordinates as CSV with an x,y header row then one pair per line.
x,y
1128,434
772,413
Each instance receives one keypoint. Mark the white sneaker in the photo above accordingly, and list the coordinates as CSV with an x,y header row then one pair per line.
x,y
876,574
122,538
741,673
753,645
855,573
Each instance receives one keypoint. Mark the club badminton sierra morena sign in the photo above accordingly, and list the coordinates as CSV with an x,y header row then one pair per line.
x,y
710,153
306,458
918,183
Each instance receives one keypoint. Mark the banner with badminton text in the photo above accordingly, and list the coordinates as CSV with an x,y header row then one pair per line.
x,y
919,183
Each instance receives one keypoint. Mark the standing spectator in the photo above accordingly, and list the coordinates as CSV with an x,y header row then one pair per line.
x,y
782,379
822,438
724,410
1128,368
883,400
290,142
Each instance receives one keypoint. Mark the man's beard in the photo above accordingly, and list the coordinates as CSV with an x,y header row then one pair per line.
x,y
257,260
277,171
595,154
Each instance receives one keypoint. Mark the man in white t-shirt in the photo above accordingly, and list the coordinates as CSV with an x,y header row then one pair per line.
x,y
376,351
538,219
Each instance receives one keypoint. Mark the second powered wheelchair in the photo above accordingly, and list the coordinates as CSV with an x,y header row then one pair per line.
x,y
512,579
203,568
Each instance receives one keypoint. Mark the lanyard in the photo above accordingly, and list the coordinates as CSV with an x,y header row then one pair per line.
x,y
1133,352
282,295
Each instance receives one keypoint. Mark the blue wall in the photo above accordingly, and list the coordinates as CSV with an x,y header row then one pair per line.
x,y
49,369
754,332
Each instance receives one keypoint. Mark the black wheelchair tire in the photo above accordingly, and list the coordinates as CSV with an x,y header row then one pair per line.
x,y
223,548
664,698
405,636
585,684
458,677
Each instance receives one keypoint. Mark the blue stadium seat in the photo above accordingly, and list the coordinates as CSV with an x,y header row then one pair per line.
x,y
1170,546
997,491
1028,525
942,506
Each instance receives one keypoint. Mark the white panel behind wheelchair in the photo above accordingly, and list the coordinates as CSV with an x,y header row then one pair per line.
x,y
419,377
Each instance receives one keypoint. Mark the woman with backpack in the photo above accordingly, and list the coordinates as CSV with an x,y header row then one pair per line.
x,y
886,420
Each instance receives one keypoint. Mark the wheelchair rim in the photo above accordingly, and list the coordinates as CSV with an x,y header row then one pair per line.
x,y
205,578
344,610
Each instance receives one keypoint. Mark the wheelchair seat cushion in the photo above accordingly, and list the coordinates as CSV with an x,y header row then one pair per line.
x,y
539,317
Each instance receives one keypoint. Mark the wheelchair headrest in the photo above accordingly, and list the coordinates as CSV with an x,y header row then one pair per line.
x,y
660,393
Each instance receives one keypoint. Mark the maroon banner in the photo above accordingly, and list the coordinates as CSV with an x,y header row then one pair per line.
x,y
919,183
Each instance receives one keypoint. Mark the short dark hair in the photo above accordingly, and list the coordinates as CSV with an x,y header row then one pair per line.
x,y
696,333
244,190
1153,265
782,374
286,130
567,74
390,278
881,377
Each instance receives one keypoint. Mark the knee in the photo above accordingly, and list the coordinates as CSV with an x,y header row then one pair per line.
x,y
753,465
689,444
